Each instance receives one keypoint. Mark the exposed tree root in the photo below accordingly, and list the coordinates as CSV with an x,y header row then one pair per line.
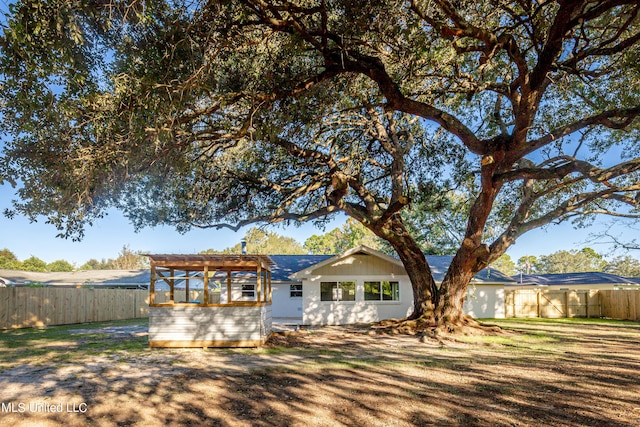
x,y
429,327
424,328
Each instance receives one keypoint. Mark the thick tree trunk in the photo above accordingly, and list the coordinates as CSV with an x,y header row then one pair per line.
x,y
449,311
425,291
440,308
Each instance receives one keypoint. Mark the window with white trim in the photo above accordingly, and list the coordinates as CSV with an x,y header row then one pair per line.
x,y
382,291
295,290
337,291
248,292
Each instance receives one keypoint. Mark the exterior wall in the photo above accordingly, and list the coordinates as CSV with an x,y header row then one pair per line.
x,y
283,305
485,301
317,312
230,326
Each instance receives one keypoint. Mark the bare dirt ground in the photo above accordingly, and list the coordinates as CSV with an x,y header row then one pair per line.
x,y
536,374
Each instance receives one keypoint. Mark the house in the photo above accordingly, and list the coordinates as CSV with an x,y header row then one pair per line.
x,y
365,285
567,281
361,285
104,279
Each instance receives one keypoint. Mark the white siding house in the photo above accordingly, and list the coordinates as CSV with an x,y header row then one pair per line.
x,y
363,285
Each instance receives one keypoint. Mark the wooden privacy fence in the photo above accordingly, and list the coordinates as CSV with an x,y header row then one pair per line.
x,y
29,307
621,304
552,304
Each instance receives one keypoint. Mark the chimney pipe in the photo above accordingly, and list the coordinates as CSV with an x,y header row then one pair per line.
x,y
243,245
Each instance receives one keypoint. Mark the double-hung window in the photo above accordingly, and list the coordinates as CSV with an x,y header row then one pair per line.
x,y
337,291
249,292
295,291
381,291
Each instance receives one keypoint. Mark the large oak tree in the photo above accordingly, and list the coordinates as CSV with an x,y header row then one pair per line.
x,y
213,113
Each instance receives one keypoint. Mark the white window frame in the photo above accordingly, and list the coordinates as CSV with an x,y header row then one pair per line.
x,y
380,292
337,292
248,291
295,288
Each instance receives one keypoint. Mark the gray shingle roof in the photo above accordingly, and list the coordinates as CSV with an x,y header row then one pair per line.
x,y
573,279
75,278
285,265
440,263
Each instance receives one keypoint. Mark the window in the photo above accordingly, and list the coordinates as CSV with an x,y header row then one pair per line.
x,y
381,291
328,291
337,291
248,291
295,291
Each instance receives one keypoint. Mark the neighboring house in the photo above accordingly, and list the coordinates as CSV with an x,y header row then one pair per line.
x,y
125,279
365,285
566,281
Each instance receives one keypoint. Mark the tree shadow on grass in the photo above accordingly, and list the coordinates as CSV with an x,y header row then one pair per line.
x,y
341,377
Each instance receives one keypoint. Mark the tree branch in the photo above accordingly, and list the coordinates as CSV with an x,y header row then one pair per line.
x,y
606,118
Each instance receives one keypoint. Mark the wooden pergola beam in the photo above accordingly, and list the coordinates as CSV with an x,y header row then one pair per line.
x,y
164,267
218,262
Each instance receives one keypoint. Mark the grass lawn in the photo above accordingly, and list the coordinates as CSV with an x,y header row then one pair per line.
x,y
542,372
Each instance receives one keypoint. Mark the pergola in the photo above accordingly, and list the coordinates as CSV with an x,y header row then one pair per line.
x,y
239,319
166,268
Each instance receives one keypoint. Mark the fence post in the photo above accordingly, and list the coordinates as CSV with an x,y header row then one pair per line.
x,y
586,299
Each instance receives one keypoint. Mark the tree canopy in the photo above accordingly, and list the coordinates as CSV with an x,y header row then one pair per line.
x,y
263,242
225,113
626,266
572,261
338,240
505,265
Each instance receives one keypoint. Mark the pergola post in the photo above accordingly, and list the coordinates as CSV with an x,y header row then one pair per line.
x,y
205,284
259,281
152,285
172,286
187,291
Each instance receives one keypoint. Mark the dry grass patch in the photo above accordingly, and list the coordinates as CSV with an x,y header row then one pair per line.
x,y
561,373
